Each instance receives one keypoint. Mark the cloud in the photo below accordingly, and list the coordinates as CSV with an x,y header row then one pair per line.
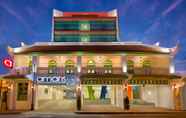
x,y
156,23
153,26
17,16
123,7
172,7
12,12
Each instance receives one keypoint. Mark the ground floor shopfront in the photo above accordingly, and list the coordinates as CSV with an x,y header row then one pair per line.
x,y
55,98
102,95
148,96
143,92
100,92
159,96
15,94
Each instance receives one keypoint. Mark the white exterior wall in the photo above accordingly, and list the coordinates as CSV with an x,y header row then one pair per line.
x,y
184,97
119,96
160,95
165,97
149,94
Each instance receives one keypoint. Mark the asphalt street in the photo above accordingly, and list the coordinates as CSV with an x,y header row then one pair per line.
x,y
74,115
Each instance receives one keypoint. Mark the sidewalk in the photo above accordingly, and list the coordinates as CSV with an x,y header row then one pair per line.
x,y
108,109
11,112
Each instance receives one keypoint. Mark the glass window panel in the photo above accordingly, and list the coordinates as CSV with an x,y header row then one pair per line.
x,y
22,91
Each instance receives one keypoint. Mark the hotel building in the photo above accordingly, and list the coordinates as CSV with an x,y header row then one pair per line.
x,y
85,65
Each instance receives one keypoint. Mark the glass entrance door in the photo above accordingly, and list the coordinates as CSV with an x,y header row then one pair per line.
x,y
97,94
56,98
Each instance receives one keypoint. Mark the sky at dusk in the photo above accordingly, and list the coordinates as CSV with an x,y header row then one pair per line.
x,y
147,21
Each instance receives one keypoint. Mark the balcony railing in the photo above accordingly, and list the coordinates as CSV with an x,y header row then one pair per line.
x,y
151,71
84,70
102,71
61,71
41,71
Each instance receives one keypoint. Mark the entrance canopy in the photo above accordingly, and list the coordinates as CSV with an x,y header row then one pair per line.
x,y
107,79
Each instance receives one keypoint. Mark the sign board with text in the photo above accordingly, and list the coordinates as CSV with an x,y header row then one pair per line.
x,y
57,80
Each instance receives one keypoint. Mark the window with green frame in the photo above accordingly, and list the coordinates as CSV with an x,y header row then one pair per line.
x,y
103,25
130,66
91,66
67,38
147,67
66,25
85,38
22,91
84,25
108,66
69,67
52,67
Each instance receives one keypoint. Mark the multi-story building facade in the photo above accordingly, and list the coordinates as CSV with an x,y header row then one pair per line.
x,y
86,64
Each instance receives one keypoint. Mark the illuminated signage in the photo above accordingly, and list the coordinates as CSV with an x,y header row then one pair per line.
x,y
65,80
8,63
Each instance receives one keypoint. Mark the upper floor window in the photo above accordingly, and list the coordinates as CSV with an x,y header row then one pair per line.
x,y
108,66
130,66
84,25
147,67
85,38
91,66
52,67
69,67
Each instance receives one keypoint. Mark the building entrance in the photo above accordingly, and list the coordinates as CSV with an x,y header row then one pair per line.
x,y
97,94
150,96
102,95
56,98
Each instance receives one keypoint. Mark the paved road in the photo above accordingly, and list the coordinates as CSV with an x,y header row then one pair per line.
x,y
73,115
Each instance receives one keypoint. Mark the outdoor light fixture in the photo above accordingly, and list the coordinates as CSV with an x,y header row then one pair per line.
x,y
78,88
149,92
9,87
32,86
79,69
124,68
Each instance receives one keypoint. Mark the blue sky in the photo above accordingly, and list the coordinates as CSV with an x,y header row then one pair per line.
x,y
148,21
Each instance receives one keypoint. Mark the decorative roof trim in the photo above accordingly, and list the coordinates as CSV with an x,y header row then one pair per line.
x,y
90,46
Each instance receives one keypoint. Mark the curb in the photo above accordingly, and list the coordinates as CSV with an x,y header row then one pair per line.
x,y
2,113
129,112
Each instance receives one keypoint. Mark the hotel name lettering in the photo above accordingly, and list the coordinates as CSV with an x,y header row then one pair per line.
x,y
65,80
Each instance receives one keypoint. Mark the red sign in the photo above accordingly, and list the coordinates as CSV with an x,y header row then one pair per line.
x,y
8,63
